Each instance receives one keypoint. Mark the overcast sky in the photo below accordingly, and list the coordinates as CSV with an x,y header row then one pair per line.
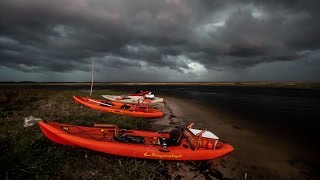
x,y
160,40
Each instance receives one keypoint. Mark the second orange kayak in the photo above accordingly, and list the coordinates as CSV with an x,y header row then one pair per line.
x,y
137,110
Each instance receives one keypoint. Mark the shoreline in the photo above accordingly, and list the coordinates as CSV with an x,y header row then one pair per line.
x,y
256,156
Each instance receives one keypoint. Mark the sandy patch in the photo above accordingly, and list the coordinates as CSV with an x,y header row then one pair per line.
x,y
255,156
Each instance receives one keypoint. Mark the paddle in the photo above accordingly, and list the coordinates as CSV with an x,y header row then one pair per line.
x,y
100,102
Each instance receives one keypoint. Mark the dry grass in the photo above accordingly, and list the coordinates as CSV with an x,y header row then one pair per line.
x,y
26,154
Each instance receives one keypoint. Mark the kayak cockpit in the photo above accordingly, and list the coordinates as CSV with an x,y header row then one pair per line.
x,y
175,139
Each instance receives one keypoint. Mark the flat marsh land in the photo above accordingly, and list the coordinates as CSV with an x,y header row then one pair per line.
x,y
26,154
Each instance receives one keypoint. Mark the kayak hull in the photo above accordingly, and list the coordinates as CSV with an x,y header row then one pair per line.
x,y
101,140
117,108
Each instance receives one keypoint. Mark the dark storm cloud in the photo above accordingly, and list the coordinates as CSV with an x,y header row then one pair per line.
x,y
64,35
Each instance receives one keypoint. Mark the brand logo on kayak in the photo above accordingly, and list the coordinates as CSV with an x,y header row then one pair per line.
x,y
146,154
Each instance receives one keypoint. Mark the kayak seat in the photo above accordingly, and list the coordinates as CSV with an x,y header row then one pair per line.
x,y
175,137
125,106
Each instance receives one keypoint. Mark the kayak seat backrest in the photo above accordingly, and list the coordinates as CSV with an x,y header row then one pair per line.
x,y
175,137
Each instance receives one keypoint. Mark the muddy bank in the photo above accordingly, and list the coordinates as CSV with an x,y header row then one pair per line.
x,y
256,156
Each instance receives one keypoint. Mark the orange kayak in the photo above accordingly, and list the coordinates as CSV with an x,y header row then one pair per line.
x,y
137,110
179,144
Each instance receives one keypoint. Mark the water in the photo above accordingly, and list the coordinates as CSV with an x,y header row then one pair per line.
x,y
277,111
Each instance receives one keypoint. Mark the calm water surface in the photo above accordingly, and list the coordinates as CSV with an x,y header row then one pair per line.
x,y
288,111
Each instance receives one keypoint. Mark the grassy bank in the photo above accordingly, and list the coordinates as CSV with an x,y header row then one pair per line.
x,y
26,154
